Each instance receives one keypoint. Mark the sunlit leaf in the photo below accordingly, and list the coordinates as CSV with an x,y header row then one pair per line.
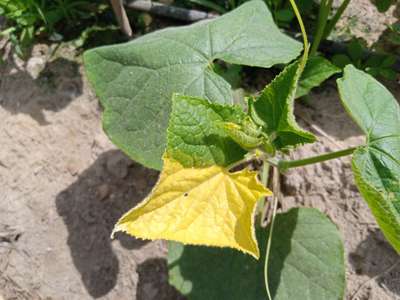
x,y
195,135
376,165
135,81
275,108
199,206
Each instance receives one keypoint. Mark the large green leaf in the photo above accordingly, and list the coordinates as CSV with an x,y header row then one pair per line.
x,y
307,257
376,165
204,273
274,108
317,70
306,262
195,135
135,81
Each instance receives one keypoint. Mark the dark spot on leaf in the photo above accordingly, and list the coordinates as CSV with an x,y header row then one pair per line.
x,y
185,194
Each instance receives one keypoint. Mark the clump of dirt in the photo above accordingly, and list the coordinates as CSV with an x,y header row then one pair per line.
x,y
363,20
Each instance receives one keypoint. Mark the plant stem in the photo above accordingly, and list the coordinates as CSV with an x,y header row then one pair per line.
x,y
301,24
332,23
276,192
264,180
276,174
289,164
245,160
304,59
324,11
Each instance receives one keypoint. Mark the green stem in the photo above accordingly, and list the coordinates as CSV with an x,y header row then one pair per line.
x,y
276,191
289,164
265,173
332,23
301,24
276,175
324,11
304,59
245,160
263,204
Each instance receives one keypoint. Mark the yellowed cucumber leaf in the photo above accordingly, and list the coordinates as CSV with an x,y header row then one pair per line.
x,y
199,206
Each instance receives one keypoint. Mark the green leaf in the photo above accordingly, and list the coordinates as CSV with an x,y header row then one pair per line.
x,y
341,60
275,108
195,135
384,5
389,61
284,15
306,262
389,74
202,273
317,70
376,165
135,81
355,50
307,257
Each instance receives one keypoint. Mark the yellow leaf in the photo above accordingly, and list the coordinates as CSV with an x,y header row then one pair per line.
x,y
208,206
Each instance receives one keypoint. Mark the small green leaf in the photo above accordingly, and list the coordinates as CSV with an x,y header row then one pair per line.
x,y
355,50
284,15
376,165
388,73
389,61
306,257
135,81
275,108
317,70
341,60
195,135
383,5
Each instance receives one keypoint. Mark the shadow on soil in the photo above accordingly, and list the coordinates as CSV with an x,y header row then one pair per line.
x,y
376,258
153,281
91,206
53,88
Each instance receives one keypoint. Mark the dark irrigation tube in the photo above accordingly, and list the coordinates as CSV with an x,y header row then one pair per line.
x,y
192,15
164,10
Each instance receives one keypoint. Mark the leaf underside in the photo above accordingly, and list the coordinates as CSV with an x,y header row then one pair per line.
x,y
376,165
199,206
135,81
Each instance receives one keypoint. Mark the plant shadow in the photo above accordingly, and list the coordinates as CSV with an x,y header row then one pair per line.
x,y
91,206
376,258
153,281
39,86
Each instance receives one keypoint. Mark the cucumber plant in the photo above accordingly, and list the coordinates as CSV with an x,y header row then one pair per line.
x,y
166,108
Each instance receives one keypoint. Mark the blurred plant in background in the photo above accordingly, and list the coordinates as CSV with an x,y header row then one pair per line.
x,y
54,20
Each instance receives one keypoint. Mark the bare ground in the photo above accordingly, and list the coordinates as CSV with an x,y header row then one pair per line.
x,y
63,185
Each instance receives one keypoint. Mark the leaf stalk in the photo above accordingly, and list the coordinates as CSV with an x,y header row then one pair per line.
x,y
284,165
332,23
323,15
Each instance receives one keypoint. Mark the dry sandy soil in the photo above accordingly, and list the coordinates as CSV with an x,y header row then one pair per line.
x,y
63,186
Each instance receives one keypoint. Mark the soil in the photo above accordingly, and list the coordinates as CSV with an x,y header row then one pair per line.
x,y
64,185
